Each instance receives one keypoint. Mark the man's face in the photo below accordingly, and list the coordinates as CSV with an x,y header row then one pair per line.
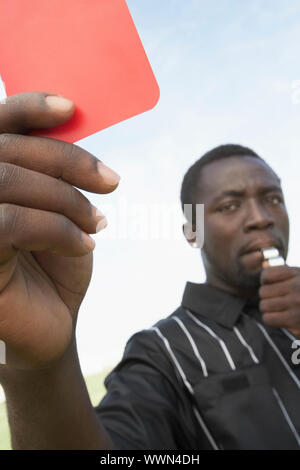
x,y
244,211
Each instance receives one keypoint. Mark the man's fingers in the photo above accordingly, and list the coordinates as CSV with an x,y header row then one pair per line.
x,y
69,162
275,290
59,160
274,304
278,319
36,110
277,273
28,188
22,228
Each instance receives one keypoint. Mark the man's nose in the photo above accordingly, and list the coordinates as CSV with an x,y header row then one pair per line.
x,y
257,217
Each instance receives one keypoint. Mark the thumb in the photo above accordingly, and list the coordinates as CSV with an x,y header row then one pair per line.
x,y
34,110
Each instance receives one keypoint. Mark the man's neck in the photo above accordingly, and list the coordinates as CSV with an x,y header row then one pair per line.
x,y
238,291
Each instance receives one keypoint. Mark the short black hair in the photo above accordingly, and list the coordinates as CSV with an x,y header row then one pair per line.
x,y
191,180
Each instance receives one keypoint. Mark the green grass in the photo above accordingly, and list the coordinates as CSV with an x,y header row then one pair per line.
x,y
4,433
96,390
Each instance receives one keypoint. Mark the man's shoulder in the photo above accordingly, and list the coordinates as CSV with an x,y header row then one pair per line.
x,y
149,343
165,322
159,329
150,347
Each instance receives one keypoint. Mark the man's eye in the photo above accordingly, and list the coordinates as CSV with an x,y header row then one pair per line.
x,y
275,199
230,207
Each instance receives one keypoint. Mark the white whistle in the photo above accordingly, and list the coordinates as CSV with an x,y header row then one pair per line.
x,y
272,256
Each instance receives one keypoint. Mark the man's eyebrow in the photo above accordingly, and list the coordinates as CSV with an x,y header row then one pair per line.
x,y
241,193
268,189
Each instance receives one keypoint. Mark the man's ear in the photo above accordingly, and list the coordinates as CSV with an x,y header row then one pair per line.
x,y
189,233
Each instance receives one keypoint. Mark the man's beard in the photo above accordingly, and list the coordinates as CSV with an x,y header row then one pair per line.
x,y
235,277
247,280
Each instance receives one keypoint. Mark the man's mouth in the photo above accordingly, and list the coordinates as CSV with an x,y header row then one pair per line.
x,y
252,252
255,255
256,247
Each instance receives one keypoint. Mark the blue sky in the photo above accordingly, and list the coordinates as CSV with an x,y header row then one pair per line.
x,y
227,72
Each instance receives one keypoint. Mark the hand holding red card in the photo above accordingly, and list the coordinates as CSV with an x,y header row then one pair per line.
x,y
89,52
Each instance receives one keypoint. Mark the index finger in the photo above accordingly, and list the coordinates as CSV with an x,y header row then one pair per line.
x,y
25,111
273,274
58,159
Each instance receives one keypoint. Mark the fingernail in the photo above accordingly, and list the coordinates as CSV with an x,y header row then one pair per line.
x,y
109,175
99,217
96,213
101,225
59,103
88,241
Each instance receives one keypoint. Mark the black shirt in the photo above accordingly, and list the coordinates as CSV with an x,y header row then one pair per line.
x,y
209,376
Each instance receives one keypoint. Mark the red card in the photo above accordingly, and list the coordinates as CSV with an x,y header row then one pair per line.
x,y
86,50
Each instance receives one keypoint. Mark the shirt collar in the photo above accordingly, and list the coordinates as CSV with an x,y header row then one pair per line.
x,y
214,303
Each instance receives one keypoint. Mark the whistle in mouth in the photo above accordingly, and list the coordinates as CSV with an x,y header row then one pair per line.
x,y
272,256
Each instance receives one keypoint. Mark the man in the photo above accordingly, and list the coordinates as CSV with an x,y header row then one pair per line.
x,y
215,374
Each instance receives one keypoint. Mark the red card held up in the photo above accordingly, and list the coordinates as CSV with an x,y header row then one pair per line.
x,y
88,51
